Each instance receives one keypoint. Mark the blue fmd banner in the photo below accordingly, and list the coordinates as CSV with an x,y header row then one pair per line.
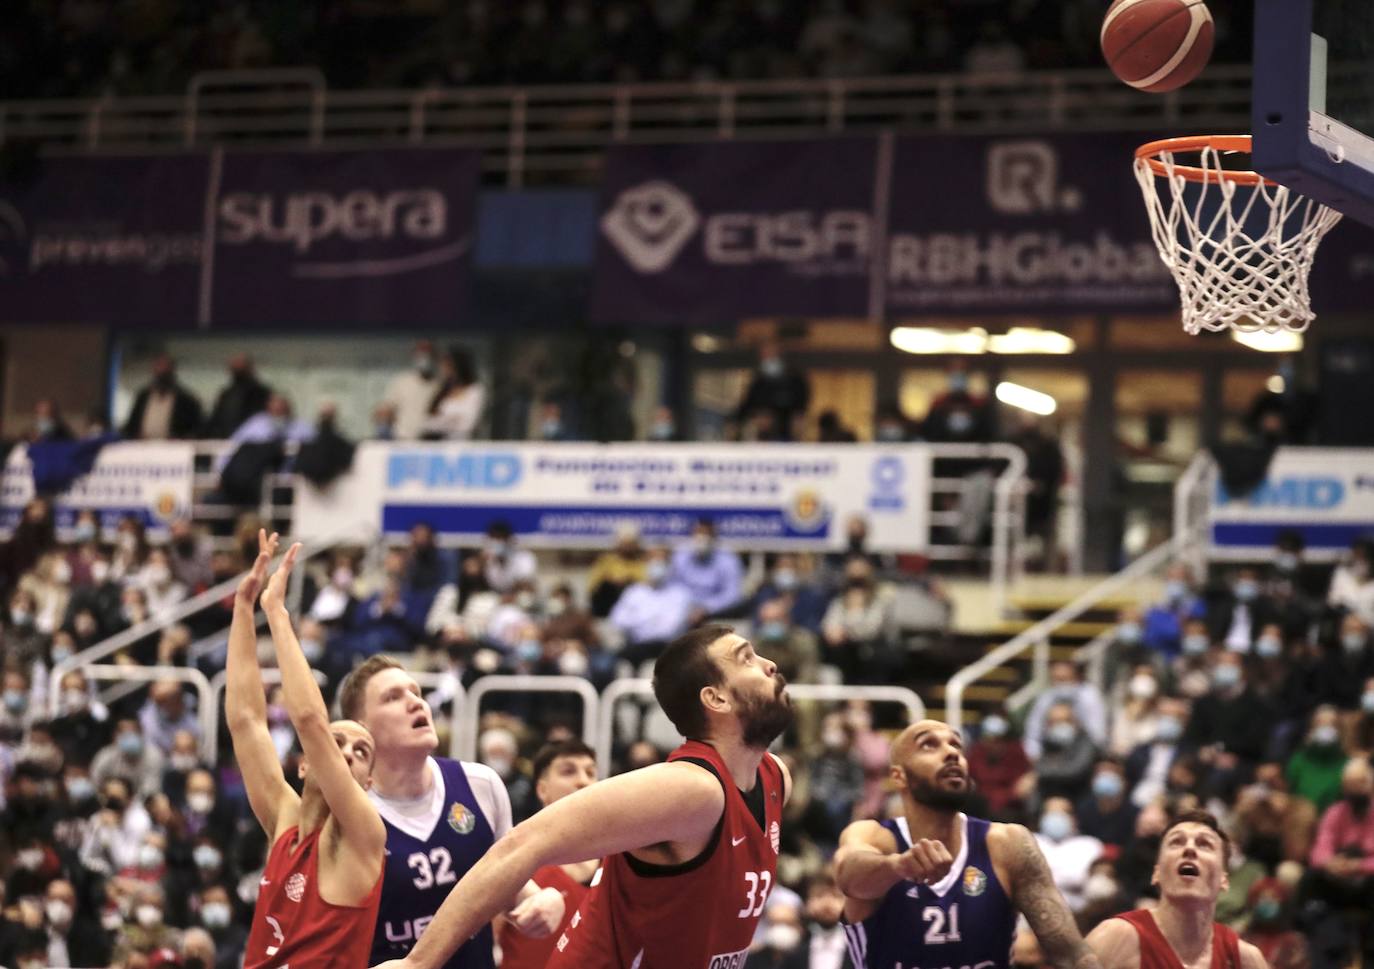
x,y
1325,494
240,238
794,496
711,232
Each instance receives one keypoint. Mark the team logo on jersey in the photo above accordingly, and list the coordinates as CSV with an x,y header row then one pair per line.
x,y
460,819
775,836
295,887
975,882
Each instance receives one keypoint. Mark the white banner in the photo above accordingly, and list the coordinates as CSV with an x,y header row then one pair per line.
x,y
149,480
1324,494
766,496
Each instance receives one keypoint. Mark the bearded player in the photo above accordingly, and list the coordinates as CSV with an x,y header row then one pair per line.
x,y
690,846
935,887
322,883
1190,872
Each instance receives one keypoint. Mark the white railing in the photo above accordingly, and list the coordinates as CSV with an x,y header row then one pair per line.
x,y
207,714
1037,637
559,133
466,722
644,689
1193,492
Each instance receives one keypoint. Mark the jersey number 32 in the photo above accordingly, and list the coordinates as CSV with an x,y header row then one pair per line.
x,y
432,868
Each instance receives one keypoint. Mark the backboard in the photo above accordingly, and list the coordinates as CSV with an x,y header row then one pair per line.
x,y
1312,106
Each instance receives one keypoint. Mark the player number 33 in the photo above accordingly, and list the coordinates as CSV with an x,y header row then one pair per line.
x,y
757,884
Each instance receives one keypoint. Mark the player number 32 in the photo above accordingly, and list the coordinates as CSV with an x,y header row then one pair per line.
x,y
434,868
757,884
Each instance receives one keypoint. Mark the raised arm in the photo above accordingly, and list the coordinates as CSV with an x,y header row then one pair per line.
x,y
349,804
1034,894
245,702
666,802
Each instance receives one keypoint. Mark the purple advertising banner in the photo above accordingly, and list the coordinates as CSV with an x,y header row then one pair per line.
x,y
1021,223
114,240
337,237
702,233
342,236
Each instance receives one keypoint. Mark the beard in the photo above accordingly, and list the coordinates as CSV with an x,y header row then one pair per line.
x,y
932,795
763,719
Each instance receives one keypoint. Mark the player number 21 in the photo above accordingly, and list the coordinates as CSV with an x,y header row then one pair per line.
x,y
758,884
436,868
936,932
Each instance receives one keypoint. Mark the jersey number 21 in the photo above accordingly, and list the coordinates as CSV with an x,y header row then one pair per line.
x,y
943,927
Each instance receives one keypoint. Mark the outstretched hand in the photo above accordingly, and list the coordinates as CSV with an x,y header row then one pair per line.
x,y
251,585
274,597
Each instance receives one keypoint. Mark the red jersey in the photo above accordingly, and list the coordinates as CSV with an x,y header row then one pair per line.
x,y
519,951
697,915
1156,953
294,927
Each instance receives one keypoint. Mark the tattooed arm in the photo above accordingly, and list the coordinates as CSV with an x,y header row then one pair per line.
x,y
1028,881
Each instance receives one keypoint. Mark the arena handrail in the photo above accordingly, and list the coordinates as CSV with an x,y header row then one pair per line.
x,y
1037,637
621,689
208,714
466,722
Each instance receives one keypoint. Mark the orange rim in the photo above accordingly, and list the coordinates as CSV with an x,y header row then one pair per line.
x,y
1148,152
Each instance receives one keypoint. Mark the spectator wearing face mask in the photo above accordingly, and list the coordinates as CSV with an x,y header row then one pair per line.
x,y
663,426
457,403
825,938
410,392
652,613
24,641
503,562
74,937
1102,892
17,709
1344,668
1352,583
1341,866
1068,853
781,939
499,750
190,552
197,949
1147,766
162,591
1235,619
49,582
274,424
164,409
244,396
997,763
165,714
615,570
130,758
81,724
149,930
116,832
216,914
795,650
1230,725
1067,686
858,629
776,399
836,780
713,575
794,577
336,600
203,810
1278,826
1314,770
1270,926
1164,621
1106,813
1135,720
1066,760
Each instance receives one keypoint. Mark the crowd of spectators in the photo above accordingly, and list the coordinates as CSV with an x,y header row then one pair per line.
x,y
71,48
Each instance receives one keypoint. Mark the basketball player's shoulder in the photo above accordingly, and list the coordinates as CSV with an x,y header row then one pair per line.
x,y
869,834
1009,842
1116,943
1251,957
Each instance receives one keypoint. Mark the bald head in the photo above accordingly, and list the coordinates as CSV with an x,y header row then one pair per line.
x,y
906,743
928,761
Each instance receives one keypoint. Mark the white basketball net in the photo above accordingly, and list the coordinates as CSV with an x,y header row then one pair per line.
x,y
1228,278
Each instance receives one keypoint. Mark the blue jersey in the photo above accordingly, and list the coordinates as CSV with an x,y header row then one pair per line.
x,y
965,921
420,872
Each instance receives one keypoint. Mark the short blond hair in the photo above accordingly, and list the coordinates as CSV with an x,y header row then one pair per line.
x,y
353,690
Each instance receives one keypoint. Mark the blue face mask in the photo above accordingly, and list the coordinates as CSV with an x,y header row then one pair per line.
x,y
1107,785
994,726
530,651
1061,734
1195,644
130,744
1225,677
1268,646
785,579
551,429
773,631
1247,590
16,701
1129,633
1056,825
1175,589
1168,729
1267,909
1367,702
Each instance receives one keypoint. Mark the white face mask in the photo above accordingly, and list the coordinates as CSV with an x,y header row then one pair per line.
x,y
112,921
502,765
148,915
783,938
1143,687
149,856
215,915
59,913
200,802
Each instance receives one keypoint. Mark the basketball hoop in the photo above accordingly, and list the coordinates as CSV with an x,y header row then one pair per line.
x,y
1239,246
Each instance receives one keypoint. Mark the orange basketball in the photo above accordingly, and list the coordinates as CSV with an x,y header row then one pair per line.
x,y
1157,45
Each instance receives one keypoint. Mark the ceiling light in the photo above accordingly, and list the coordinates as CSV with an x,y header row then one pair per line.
x,y
1015,395
1274,384
1284,341
924,339
1030,339
705,343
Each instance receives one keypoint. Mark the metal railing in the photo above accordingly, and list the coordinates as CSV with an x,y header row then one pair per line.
x,y
466,721
643,689
207,714
559,133
1037,637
